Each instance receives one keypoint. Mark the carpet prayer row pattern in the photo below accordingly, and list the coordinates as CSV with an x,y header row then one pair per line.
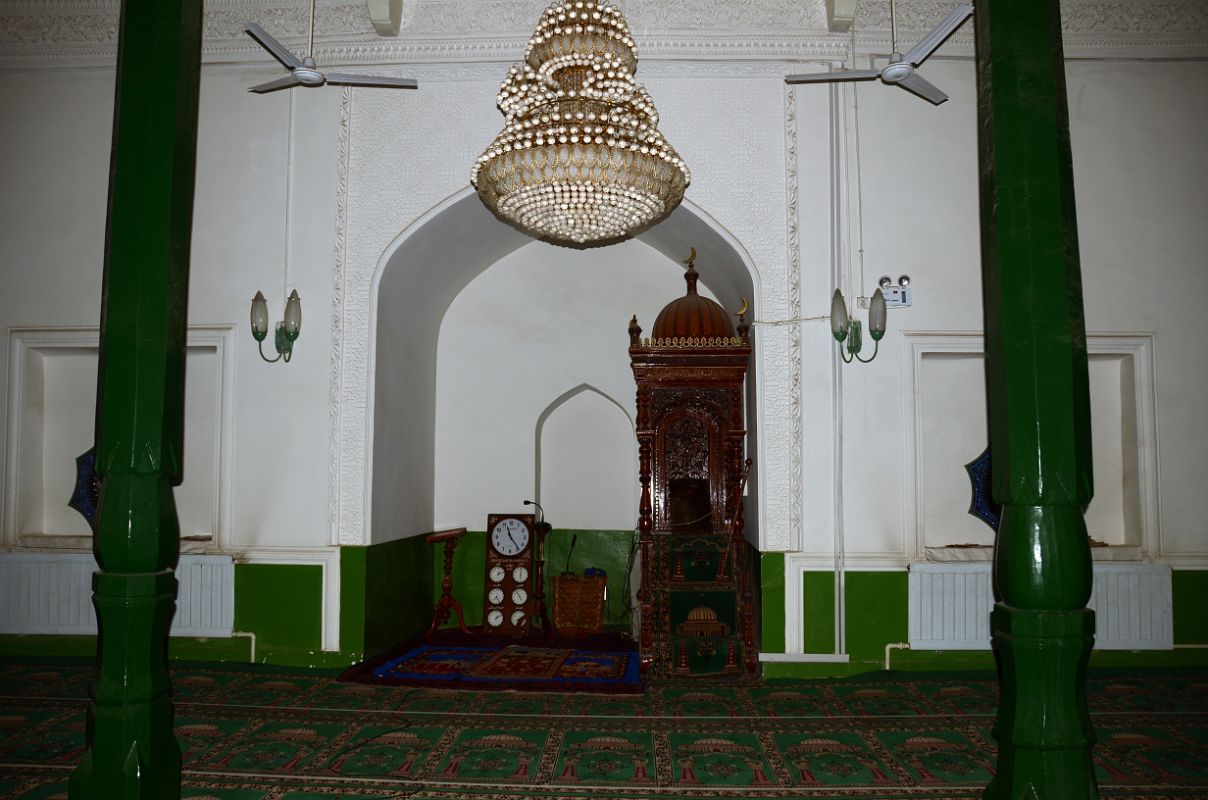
x,y
258,734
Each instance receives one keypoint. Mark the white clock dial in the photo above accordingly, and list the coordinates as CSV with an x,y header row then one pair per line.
x,y
509,537
520,574
495,618
496,596
519,596
517,618
497,573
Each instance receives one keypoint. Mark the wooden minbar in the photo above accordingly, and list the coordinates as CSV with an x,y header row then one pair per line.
x,y
695,598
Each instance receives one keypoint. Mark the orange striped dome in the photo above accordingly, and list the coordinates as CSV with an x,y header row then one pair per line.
x,y
693,316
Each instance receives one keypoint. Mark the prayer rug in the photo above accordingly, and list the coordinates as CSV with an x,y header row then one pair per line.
x,y
268,733
509,666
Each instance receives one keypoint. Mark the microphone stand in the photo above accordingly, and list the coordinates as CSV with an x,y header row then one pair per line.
x,y
541,615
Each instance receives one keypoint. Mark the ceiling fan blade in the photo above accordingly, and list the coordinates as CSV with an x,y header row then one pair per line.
x,y
353,79
827,77
270,44
923,88
931,42
272,86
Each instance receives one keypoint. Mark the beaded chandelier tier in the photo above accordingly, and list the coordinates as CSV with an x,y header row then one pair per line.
x,y
580,160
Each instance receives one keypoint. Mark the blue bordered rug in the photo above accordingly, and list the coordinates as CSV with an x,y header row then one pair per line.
x,y
504,666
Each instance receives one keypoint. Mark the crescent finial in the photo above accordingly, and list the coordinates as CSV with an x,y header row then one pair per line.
x,y
691,258
745,307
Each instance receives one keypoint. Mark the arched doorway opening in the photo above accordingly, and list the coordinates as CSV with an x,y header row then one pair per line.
x,y
421,335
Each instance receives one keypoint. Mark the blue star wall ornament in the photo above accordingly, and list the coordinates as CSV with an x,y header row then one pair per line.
x,y
982,504
87,491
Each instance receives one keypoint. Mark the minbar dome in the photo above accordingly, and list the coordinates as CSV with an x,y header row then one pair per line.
x,y
692,316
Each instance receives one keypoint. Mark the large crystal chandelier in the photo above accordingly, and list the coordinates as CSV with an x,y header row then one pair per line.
x,y
580,159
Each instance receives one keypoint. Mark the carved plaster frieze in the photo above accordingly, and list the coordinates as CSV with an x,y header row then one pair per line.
x,y
439,31
336,386
796,461
289,24
1143,18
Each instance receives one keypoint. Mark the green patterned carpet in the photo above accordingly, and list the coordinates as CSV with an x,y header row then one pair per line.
x,y
264,734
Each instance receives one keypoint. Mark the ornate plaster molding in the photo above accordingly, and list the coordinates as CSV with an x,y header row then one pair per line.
x,y
443,31
336,385
796,459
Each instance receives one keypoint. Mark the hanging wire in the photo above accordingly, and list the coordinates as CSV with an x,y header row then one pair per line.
x,y
893,25
289,169
310,37
855,94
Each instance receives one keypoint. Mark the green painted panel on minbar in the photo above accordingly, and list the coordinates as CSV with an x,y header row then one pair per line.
x,y
282,604
1190,592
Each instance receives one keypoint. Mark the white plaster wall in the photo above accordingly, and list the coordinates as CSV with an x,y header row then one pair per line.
x,y
54,143
588,458
279,478
56,134
537,324
1139,169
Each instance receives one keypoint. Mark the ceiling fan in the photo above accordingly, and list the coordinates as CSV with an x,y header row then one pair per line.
x,y
303,72
901,68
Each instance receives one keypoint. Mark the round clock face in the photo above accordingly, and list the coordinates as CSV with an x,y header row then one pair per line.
x,y
520,574
509,537
519,596
495,618
517,618
496,596
497,573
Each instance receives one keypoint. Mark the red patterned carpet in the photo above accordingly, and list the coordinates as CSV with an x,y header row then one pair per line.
x,y
270,734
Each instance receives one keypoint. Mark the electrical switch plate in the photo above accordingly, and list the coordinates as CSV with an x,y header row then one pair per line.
x,y
897,296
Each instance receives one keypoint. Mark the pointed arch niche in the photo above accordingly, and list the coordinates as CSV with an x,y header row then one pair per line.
x,y
477,330
586,455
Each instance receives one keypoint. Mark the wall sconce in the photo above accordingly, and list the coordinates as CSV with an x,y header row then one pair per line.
x,y
287,330
845,328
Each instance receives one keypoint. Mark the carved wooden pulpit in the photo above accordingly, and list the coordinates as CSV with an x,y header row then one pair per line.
x,y
695,600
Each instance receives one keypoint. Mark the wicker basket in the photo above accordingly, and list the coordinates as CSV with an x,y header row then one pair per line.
x,y
578,604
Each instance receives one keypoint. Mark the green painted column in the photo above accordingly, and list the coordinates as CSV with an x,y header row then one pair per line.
x,y
132,752
1036,379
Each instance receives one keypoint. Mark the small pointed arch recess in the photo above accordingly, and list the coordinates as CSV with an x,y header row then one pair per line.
x,y
616,469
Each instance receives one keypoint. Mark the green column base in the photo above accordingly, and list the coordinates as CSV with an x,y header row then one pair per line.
x,y
1043,729
132,751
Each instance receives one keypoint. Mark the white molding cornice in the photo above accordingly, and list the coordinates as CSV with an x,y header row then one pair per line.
x,y
82,32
